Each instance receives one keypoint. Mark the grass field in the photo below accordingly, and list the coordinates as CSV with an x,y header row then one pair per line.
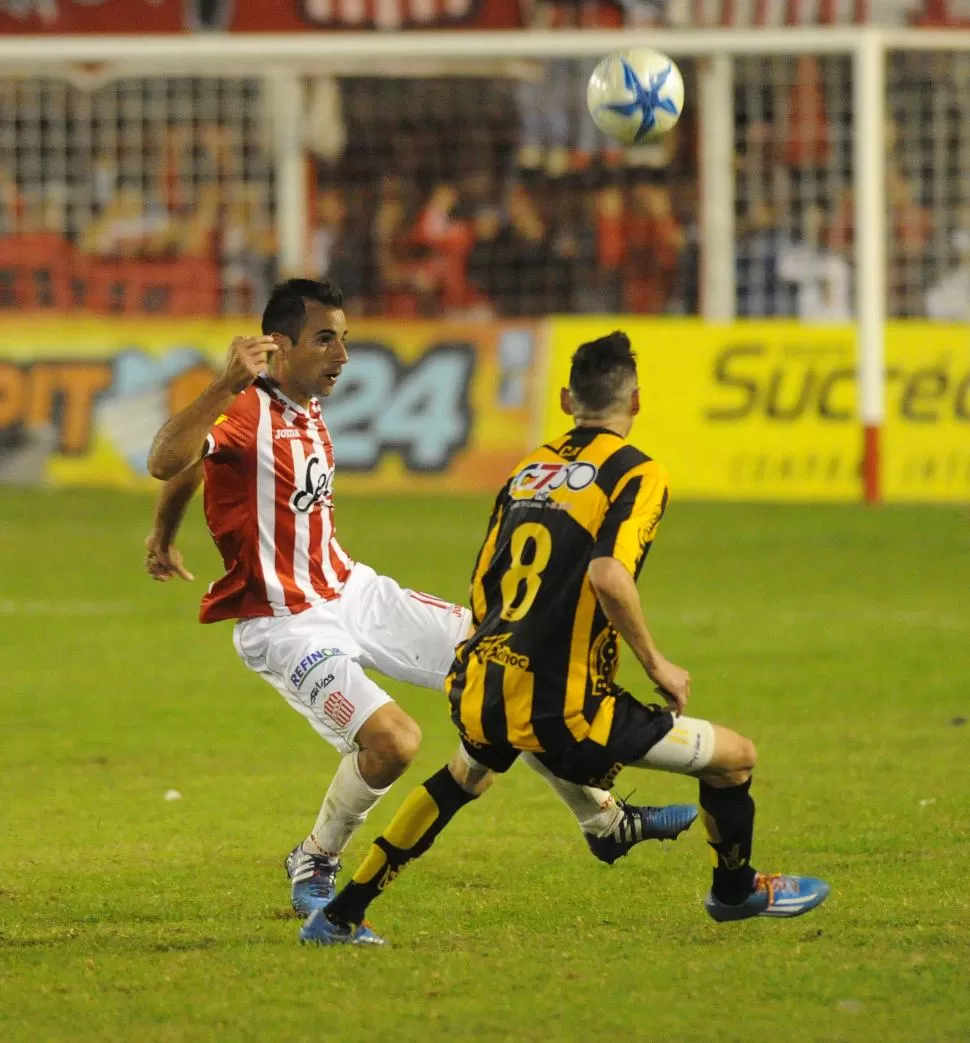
x,y
838,638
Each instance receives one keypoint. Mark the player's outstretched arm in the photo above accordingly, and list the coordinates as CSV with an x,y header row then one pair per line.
x,y
617,592
163,560
179,443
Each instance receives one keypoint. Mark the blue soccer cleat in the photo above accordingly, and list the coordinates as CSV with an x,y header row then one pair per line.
x,y
318,930
312,880
774,895
639,824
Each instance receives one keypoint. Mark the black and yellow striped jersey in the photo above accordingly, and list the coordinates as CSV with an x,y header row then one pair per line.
x,y
538,672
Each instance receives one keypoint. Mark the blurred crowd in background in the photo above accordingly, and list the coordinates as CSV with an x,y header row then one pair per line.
x,y
489,194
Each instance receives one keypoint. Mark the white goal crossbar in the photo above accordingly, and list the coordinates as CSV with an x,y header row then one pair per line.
x,y
283,59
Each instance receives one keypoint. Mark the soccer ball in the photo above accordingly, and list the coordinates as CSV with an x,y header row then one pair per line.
x,y
635,96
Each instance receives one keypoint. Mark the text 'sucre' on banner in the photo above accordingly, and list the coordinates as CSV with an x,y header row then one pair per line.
x,y
767,410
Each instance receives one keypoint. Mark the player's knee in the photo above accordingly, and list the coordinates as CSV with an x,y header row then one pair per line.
x,y
734,759
474,778
398,744
745,758
389,740
407,741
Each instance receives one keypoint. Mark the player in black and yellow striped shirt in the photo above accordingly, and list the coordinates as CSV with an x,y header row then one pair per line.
x,y
538,672
553,591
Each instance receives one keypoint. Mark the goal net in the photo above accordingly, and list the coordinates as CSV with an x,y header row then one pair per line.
x,y
794,133
471,184
128,195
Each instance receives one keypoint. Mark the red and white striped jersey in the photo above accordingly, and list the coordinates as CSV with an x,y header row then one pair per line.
x,y
268,467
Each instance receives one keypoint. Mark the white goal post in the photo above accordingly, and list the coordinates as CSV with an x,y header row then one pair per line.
x,y
281,61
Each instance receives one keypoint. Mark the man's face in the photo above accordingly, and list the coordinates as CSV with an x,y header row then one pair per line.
x,y
315,361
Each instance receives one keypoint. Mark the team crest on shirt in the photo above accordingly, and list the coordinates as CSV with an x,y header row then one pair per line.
x,y
648,531
604,658
314,486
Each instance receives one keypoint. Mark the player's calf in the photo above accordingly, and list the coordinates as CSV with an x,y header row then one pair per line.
x,y
738,890
414,828
727,811
389,740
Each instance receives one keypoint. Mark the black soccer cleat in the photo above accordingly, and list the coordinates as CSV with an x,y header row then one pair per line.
x,y
639,824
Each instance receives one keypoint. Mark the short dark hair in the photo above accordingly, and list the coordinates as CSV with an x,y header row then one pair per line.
x,y
599,370
285,311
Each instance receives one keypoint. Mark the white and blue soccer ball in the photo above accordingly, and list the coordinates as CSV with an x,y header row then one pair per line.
x,y
635,96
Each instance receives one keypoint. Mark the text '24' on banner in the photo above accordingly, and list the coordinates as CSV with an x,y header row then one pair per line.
x,y
420,406
767,410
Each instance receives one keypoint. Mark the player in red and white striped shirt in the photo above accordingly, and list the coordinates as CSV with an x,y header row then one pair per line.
x,y
309,619
269,470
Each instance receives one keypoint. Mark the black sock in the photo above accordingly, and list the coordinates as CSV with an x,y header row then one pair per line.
x,y
729,821
419,820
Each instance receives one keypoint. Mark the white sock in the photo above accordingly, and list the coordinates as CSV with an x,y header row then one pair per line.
x,y
343,811
596,810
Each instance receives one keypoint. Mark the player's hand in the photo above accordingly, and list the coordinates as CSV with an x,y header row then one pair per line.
x,y
672,681
246,360
162,561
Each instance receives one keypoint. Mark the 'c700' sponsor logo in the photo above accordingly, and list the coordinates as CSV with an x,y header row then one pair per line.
x,y
808,379
538,480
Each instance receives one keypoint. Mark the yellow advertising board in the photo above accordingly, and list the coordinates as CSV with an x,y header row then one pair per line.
x,y
767,410
751,411
421,405
926,439
759,411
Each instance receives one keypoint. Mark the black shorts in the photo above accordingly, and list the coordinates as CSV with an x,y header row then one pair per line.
x,y
636,729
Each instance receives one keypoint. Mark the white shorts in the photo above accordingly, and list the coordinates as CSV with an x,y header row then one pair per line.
x,y
687,748
316,659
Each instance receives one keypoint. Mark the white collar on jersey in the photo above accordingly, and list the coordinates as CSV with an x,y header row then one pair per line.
x,y
266,382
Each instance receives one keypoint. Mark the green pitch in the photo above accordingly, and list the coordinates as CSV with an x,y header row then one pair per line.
x,y
838,638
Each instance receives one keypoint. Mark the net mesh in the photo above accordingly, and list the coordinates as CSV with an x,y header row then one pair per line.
x,y
793,186
929,197
454,196
795,197
134,195
473,190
